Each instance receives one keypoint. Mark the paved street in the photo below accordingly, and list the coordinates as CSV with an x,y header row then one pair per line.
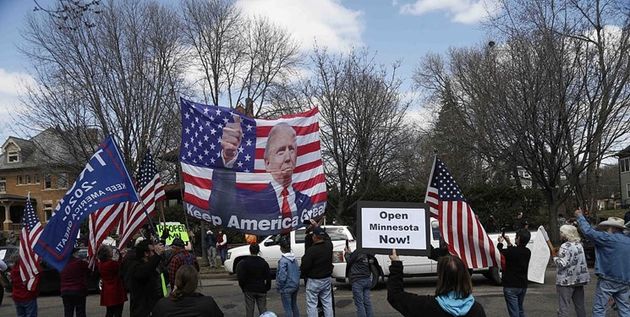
x,y
540,300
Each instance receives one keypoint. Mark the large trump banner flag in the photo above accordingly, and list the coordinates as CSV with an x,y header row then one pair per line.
x,y
252,175
104,181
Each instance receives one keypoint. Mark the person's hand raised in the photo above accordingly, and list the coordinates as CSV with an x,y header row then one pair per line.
x,y
394,257
578,212
231,139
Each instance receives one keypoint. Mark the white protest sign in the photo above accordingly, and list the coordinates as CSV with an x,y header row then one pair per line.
x,y
389,226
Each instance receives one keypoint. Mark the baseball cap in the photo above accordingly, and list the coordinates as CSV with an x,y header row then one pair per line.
x,y
318,231
177,242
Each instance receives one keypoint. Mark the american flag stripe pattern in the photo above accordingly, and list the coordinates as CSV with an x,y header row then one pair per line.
x,y
201,152
134,215
100,224
459,226
29,260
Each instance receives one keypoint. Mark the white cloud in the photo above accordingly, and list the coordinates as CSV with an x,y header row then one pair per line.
x,y
325,22
460,11
14,84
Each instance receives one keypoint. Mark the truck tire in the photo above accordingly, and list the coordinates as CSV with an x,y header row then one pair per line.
x,y
494,275
375,275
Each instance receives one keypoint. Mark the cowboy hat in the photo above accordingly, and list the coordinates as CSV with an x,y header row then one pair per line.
x,y
612,222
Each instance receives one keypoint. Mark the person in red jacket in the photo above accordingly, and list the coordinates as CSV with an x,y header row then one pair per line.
x,y
25,300
74,285
113,294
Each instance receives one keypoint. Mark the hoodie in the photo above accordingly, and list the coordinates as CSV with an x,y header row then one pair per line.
x,y
412,305
288,274
455,306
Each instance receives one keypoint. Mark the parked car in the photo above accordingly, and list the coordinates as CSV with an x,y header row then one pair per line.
x,y
414,265
49,277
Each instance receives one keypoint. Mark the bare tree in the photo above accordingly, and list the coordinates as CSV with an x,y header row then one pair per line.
x,y
361,124
120,76
542,99
241,58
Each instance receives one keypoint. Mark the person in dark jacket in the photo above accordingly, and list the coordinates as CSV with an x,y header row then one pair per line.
x,y
317,267
73,280
288,280
145,287
453,293
515,273
113,294
361,280
184,301
254,278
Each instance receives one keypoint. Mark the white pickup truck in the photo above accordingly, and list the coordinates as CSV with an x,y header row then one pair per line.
x,y
414,265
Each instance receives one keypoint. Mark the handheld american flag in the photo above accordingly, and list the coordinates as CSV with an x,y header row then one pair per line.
x,y
459,226
100,224
151,191
251,175
29,260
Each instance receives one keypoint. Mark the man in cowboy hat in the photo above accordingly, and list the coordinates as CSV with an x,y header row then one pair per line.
x,y
612,263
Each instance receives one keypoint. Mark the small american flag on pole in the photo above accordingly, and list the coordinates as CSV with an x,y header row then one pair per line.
x,y
100,224
29,260
459,226
152,190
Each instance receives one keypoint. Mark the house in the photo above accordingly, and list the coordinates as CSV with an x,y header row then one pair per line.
x,y
624,176
25,167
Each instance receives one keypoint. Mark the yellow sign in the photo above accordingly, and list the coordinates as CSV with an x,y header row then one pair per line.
x,y
175,230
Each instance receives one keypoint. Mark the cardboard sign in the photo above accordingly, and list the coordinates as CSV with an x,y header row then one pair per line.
x,y
175,230
383,226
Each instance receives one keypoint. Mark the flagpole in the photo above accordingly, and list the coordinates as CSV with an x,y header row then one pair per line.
x,y
429,182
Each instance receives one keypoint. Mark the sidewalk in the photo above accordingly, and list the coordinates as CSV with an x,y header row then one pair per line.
x,y
205,272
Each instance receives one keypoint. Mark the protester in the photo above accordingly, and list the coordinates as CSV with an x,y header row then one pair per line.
x,y
222,246
572,272
254,278
612,263
185,301
113,294
145,287
626,217
25,301
515,273
3,268
180,256
73,280
211,242
520,222
288,280
317,268
358,264
453,293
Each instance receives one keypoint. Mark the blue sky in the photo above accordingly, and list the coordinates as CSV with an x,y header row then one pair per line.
x,y
402,30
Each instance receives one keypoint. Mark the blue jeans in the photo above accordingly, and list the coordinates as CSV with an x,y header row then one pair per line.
x,y
289,303
318,288
361,295
223,255
26,309
514,298
607,289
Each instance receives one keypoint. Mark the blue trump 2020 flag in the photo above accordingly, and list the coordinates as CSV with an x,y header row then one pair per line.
x,y
104,181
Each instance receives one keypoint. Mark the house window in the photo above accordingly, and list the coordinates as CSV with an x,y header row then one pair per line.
x,y
47,181
13,157
628,190
624,165
62,180
48,211
20,179
36,177
27,179
3,184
